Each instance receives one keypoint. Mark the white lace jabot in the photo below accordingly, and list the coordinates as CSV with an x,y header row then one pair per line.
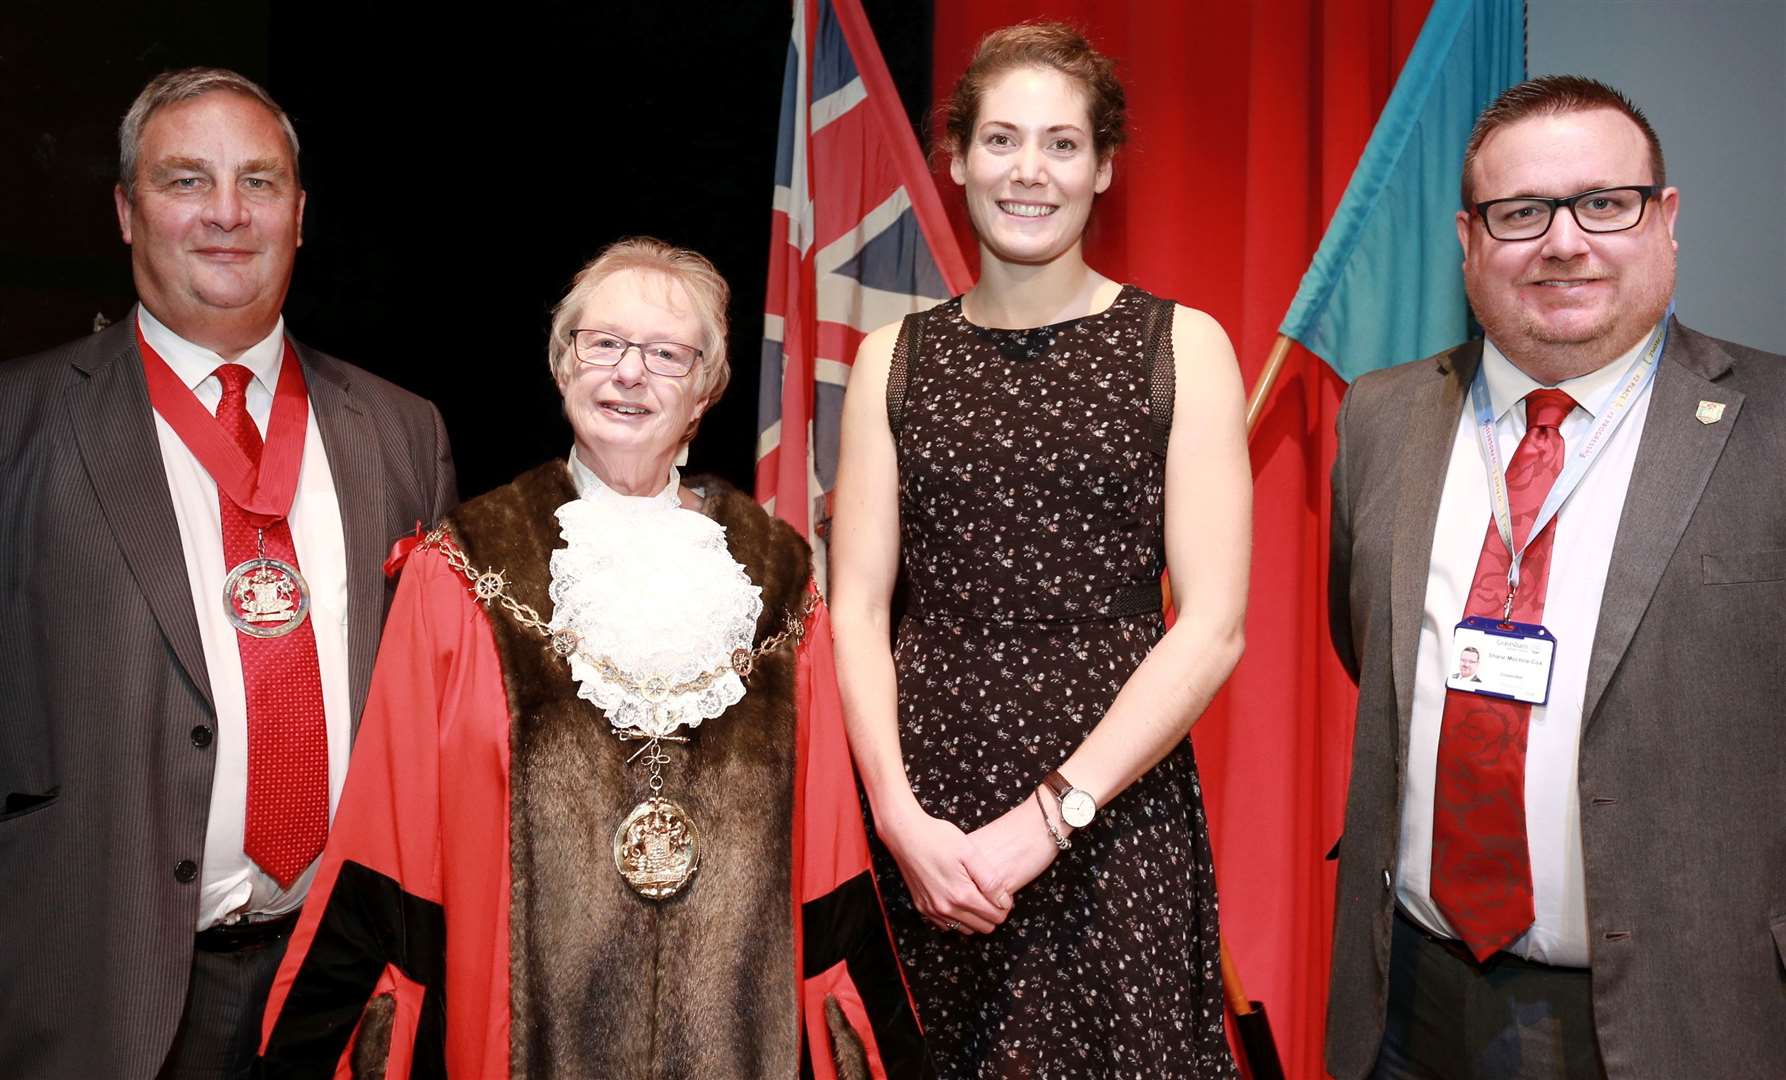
x,y
653,589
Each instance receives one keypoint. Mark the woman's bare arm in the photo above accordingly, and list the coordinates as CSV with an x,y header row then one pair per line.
x,y
1208,553
864,564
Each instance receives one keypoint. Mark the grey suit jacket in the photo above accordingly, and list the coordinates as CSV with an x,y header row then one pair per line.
x,y
1683,746
103,685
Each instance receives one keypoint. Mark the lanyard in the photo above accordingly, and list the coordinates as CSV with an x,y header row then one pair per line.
x,y
265,493
1614,407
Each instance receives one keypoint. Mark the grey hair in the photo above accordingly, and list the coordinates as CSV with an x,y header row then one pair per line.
x,y
173,87
707,291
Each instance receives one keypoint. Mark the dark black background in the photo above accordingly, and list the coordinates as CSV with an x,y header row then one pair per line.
x,y
460,168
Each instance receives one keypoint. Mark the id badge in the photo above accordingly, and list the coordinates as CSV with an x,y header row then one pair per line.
x,y
1502,659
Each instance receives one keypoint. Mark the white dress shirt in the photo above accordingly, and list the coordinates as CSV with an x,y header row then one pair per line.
x,y
1580,554
230,884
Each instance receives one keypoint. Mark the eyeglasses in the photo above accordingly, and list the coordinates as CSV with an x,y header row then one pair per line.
x,y
598,348
1602,210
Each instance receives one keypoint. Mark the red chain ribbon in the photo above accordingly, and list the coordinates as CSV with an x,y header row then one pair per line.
x,y
264,495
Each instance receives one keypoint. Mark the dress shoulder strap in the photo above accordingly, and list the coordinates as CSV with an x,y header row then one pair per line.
x,y
905,350
1162,375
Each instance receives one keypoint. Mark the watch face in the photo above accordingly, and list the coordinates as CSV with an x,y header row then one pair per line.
x,y
1077,808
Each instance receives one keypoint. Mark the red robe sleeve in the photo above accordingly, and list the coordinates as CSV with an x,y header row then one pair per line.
x,y
367,985
854,1002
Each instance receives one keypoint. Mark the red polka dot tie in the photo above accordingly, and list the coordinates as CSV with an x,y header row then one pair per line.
x,y
1481,871
288,740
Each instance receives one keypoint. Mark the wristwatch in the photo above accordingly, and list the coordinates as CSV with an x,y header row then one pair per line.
x,y
1077,807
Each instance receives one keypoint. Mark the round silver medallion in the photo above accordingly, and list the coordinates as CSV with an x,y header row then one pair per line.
x,y
657,849
266,598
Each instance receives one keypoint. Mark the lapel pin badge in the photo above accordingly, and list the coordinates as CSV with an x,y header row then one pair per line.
x,y
1709,412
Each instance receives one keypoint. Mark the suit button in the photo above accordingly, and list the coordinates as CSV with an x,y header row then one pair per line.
x,y
1387,883
201,736
185,871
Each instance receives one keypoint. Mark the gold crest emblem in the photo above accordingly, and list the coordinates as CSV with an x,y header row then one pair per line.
x,y
1709,412
656,849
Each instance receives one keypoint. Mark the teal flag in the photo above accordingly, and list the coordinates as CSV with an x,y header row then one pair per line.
x,y
1385,285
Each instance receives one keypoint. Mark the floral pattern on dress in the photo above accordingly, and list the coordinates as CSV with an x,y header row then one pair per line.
x,y
1031,505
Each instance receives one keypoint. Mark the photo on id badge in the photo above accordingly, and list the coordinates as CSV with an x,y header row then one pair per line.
x,y
1502,659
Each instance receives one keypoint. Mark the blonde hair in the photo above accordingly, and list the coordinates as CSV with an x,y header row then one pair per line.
x,y
706,289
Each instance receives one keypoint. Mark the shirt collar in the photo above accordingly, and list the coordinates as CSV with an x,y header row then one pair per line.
x,y
195,363
1508,385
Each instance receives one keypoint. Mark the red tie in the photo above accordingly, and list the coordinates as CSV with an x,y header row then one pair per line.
x,y
1481,872
288,739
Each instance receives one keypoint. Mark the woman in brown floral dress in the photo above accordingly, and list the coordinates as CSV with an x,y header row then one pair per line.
x,y
1036,452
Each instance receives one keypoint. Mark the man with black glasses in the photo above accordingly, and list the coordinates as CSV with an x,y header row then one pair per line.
x,y
1575,867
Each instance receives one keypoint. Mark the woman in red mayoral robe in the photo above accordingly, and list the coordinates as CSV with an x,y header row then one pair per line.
x,y
601,818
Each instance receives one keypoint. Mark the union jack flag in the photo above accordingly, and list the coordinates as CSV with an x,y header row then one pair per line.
x,y
858,240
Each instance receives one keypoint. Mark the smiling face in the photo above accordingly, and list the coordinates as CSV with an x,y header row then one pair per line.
x,y
215,221
1570,301
1466,664
1030,170
629,422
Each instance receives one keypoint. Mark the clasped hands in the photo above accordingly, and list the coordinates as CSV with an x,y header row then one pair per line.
x,y
968,882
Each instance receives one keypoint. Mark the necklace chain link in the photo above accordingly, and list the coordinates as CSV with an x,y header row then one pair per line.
x,y
492,586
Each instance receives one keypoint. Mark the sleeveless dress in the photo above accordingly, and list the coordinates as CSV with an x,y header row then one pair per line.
x,y
1031,494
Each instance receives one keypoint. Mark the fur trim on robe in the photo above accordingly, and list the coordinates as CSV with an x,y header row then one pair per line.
x,y
776,946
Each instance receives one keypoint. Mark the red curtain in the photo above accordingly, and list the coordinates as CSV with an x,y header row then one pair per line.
x,y
1247,119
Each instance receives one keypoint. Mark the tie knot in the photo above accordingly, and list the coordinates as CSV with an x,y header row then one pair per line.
x,y
1548,408
235,379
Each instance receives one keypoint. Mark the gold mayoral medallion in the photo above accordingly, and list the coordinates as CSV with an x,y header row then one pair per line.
x,y
265,598
657,849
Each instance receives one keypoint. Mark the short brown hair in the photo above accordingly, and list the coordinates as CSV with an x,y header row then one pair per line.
x,y
1551,95
707,290
173,87
1046,45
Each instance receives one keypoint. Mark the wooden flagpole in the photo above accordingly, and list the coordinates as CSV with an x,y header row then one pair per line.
x,y
1274,366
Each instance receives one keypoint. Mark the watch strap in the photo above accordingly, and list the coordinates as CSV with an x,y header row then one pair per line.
x,y
1060,841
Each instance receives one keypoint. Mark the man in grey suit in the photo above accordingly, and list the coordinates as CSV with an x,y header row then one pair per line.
x,y
1577,869
191,595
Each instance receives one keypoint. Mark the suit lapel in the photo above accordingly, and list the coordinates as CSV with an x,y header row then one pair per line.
x,y
114,426
352,446
1674,461
1426,455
